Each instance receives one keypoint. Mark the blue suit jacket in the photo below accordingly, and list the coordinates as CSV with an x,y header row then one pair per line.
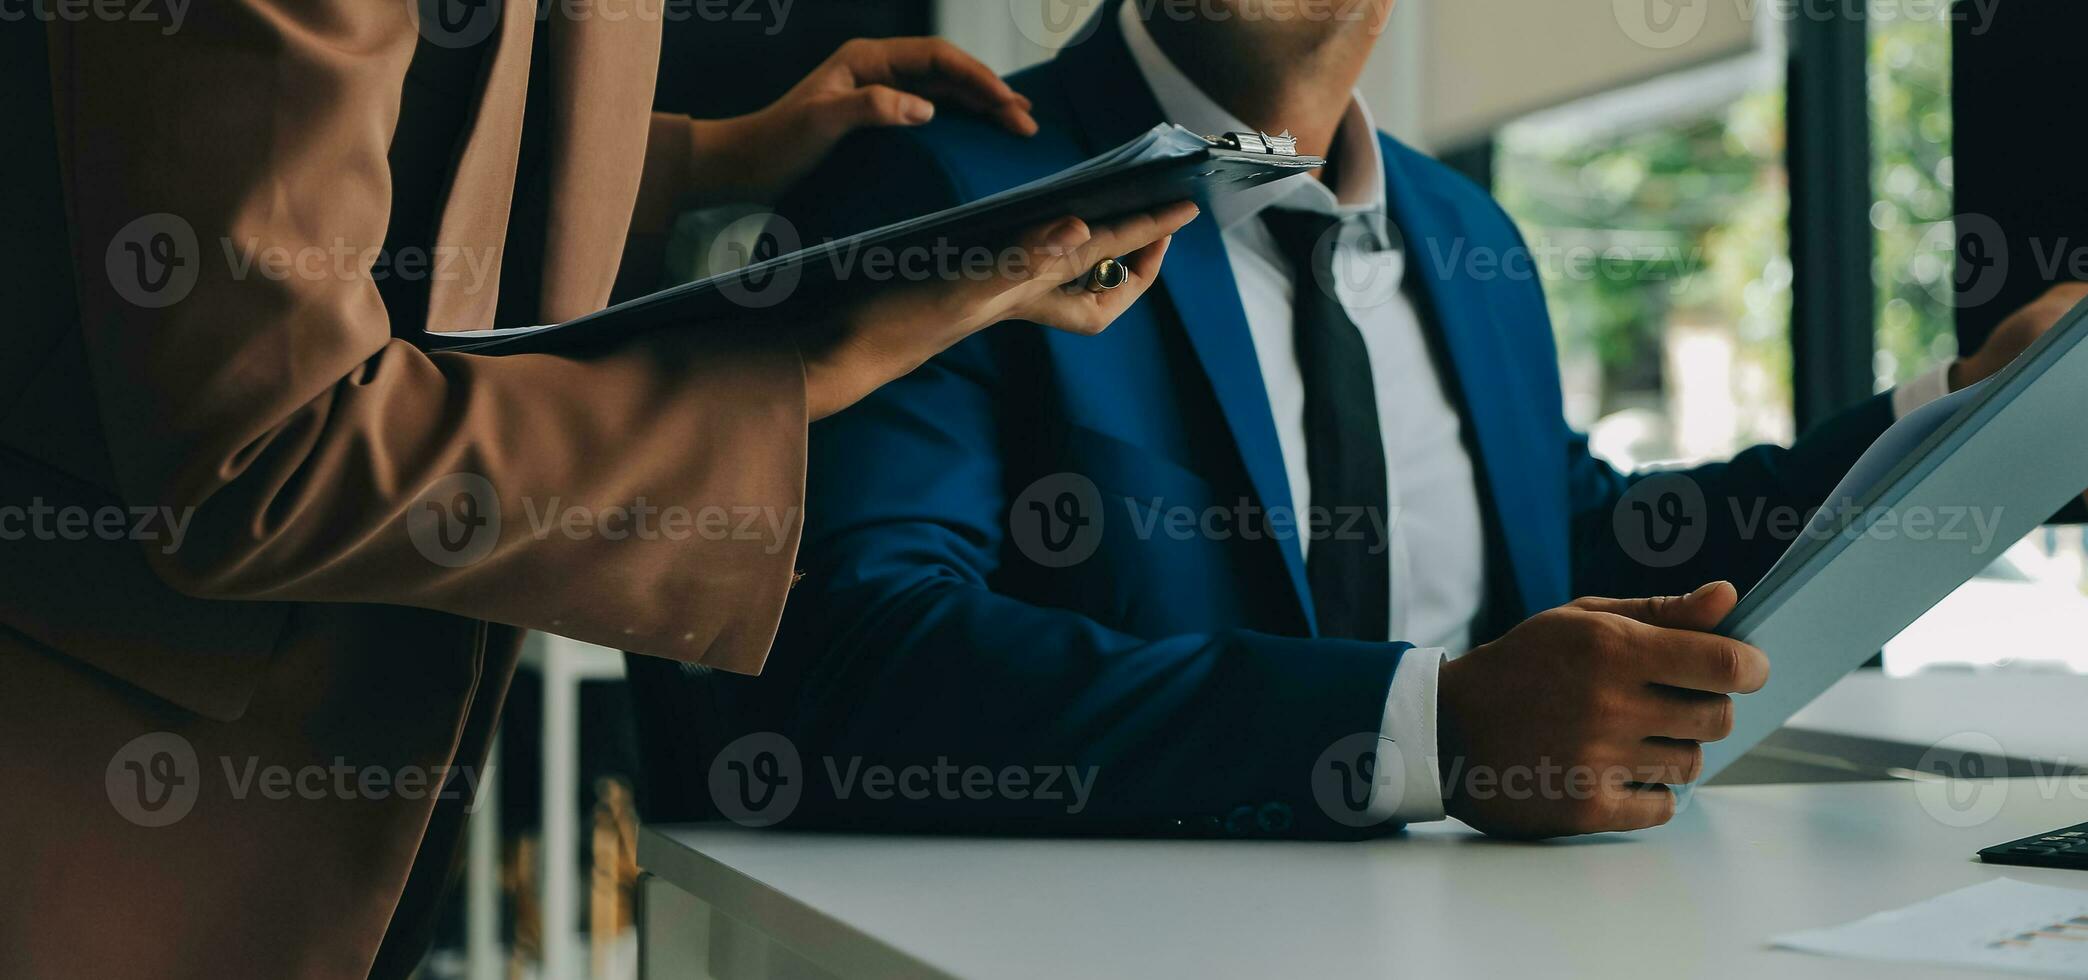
x,y
1183,667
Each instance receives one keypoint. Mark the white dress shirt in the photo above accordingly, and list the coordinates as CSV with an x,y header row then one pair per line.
x,y
1436,527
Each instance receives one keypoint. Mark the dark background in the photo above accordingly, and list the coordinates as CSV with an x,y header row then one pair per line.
x,y
2019,137
729,66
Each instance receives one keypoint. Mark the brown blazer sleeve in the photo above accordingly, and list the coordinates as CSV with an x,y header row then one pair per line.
x,y
646,497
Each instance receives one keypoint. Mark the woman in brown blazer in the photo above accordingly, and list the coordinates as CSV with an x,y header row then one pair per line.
x,y
255,542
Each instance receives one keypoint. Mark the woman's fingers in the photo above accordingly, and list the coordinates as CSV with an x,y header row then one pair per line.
x,y
1112,239
1074,309
936,67
1145,270
1061,237
881,105
1145,263
895,330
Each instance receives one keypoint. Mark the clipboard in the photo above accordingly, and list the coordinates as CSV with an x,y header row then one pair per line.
x,y
1165,164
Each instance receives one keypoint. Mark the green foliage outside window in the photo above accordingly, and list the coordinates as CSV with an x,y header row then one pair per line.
x,y
1911,144
1693,216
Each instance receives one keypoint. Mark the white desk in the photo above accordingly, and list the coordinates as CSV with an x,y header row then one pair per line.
x,y
1697,898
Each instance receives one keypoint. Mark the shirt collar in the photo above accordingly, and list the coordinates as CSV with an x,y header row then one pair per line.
x,y
1359,165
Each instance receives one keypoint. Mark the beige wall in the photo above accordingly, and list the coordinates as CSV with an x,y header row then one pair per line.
x,y
1485,62
1447,71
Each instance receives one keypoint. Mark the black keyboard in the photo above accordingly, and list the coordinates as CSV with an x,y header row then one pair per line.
x,y
2066,847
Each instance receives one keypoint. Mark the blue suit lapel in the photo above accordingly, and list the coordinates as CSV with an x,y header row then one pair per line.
x,y
1517,453
1113,105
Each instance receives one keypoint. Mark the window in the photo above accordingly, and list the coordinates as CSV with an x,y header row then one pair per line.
x,y
1911,178
2030,605
1658,218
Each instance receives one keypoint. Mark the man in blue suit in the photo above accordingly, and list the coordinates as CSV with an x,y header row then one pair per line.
x,y
1293,549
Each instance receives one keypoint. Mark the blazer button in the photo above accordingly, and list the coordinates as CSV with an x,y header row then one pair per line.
x,y
1240,822
1273,818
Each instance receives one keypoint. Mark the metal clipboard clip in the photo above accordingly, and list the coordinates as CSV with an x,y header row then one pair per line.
x,y
1283,145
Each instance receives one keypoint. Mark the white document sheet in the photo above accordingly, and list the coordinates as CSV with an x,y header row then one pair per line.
x,y
1936,499
1876,464
1999,925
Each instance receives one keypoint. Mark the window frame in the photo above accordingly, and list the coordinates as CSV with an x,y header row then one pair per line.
x,y
1833,296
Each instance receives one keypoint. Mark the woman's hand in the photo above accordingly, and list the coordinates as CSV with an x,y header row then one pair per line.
x,y
1041,279
868,82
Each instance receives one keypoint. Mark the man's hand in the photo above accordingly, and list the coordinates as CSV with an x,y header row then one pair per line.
x,y
2016,334
1579,719
868,82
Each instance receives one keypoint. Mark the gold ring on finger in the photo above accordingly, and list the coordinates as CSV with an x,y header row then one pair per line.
x,y
1107,274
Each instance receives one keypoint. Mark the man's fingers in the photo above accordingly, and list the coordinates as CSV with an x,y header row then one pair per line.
x,y
1638,808
1692,715
2068,293
1702,662
1701,610
1668,762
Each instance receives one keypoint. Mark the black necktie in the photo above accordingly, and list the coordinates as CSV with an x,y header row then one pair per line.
x,y
1349,565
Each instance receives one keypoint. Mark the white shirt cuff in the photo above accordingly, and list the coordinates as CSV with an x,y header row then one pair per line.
x,y
1930,386
1408,787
